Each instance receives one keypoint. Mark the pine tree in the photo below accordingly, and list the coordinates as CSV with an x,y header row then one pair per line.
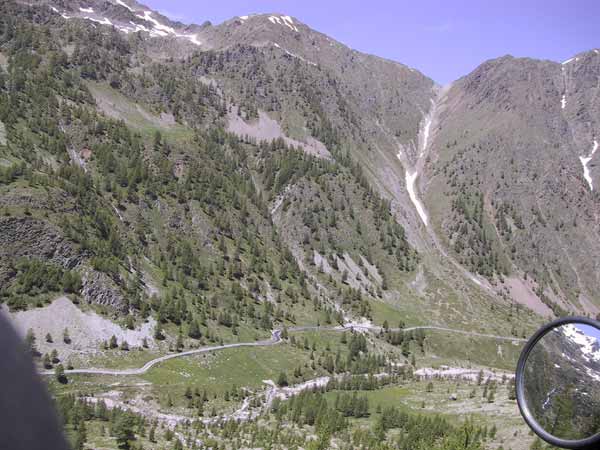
x,y
123,430
179,344
113,342
46,361
282,379
54,357
30,341
66,336
158,333
194,331
49,338
81,436
59,374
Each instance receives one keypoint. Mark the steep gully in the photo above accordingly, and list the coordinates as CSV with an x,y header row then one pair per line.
x,y
585,160
413,170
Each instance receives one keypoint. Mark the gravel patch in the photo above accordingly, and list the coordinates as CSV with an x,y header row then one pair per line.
x,y
87,329
267,129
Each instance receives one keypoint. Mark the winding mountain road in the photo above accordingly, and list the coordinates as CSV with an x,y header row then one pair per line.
x,y
275,339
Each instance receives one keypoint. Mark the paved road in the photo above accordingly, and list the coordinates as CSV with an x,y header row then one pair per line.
x,y
275,339
377,329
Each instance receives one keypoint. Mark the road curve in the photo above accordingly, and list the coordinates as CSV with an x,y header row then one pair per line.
x,y
275,339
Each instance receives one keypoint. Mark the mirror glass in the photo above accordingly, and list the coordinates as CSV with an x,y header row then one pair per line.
x,y
562,381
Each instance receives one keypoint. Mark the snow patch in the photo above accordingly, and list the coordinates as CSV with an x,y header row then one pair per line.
x,y
424,137
411,178
193,38
162,30
293,55
125,5
426,134
590,347
476,281
87,10
570,60
563,101
284,21
104,21
584,162
159,28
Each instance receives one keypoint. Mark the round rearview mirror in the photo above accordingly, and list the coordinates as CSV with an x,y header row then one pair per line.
x,y
558,383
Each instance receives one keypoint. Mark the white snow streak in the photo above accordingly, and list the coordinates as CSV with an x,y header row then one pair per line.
x,y
193,38
411,178
584,162
426,128
87,10
284,21
563,101
293,55
159,28
575,58
122,3
105,21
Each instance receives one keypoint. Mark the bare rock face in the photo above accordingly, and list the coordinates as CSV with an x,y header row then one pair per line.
x,y
100,289
25,237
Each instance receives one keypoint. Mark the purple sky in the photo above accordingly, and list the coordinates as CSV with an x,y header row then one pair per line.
x,y
443,39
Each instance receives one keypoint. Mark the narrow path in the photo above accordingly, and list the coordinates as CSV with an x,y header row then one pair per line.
x,y
275,339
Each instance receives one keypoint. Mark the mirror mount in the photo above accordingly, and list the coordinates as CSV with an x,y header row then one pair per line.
x,y
592,442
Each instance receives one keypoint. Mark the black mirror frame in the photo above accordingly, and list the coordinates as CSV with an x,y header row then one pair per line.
x,y
592,442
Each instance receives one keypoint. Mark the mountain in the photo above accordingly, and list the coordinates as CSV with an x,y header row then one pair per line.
x,y
513,156
181,186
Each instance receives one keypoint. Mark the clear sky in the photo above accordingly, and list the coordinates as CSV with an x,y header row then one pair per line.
x,y
443,39
589,331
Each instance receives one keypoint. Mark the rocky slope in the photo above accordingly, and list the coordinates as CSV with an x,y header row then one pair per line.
x,y
512,166
484,237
